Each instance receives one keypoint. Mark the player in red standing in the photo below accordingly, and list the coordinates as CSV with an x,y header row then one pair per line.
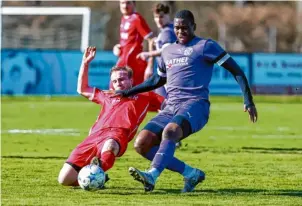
x,y
133,31
115,126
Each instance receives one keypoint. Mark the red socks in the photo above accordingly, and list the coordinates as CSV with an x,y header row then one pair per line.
x,y
107,159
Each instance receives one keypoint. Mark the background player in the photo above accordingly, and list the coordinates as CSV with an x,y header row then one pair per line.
x,y
133,30
115,126
187,68
166,36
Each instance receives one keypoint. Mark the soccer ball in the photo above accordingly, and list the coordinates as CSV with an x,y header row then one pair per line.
x,y
91,177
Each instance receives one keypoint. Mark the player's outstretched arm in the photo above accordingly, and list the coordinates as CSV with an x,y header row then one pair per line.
x,y
150,60
83,88
155,81
240,77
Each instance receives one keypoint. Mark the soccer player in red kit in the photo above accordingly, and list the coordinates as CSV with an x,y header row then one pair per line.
x,y
115,126
133,31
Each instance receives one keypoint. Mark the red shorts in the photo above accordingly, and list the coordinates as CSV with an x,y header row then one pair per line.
x,y
93,144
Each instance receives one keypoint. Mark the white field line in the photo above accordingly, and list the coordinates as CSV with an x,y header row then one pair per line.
x,y
72,132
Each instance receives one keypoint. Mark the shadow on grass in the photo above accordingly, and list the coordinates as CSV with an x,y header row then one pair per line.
x,y
243,191
219,192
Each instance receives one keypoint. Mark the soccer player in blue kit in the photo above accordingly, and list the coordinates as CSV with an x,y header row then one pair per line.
x,y
186,67
165,37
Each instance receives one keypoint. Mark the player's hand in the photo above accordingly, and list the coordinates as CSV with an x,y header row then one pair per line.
x,y
143,55
252,112
148,73
89,54
117,50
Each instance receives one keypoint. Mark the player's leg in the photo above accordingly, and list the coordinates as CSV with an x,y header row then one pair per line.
x,y
113,145
68,175
108,152
147,144
197,113
78,158
190,118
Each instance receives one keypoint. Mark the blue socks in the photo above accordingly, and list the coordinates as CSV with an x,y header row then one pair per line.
x,y
187,171
163,157
175,164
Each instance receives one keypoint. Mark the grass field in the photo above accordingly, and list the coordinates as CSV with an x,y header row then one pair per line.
x,y
246,164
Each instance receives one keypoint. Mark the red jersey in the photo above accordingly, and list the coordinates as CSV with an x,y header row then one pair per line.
x,y
127,112
133,30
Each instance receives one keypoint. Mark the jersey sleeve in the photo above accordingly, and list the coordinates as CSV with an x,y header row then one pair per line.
x,y
155,101
142,27
161,68
213,53
98,96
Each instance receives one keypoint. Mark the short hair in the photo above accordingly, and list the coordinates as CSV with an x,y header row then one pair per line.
x,y
185,14
126,69
161,7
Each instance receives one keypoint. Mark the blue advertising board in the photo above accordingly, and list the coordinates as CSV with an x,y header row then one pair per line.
x,y
277,69
50,72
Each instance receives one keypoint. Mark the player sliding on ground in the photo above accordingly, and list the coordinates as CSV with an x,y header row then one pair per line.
x,y
115,126
186,68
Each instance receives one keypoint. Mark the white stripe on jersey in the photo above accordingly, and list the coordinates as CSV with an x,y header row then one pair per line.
x,y
161,73
223,59
93,94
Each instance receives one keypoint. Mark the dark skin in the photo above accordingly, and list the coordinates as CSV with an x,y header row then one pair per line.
x,y
184,30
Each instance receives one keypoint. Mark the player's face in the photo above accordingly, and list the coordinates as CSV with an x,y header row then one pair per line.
x,y
184,30
127,7
120,80
161,19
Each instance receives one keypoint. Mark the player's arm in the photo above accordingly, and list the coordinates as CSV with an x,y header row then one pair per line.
x,y
82,87
167,38
150,60
215,54
154,82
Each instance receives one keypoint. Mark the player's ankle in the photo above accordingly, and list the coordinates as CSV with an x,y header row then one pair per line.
x,y
154,173
187,171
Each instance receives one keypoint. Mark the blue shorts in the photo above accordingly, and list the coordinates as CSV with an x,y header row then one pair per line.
x,y
190,115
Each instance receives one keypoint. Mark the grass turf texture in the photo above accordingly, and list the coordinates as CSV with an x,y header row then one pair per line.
x,y
246,164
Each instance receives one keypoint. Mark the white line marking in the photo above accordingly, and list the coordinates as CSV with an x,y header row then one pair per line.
x,y
72,132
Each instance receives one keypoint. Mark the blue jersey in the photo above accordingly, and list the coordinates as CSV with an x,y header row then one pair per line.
x,y
188,68
165,37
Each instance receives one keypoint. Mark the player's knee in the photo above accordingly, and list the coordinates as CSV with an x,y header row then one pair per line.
x,y
172,132
68,175
111,145
63,179
145,141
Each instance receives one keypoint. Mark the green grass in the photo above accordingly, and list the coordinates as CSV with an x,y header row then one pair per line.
x,y
246,164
